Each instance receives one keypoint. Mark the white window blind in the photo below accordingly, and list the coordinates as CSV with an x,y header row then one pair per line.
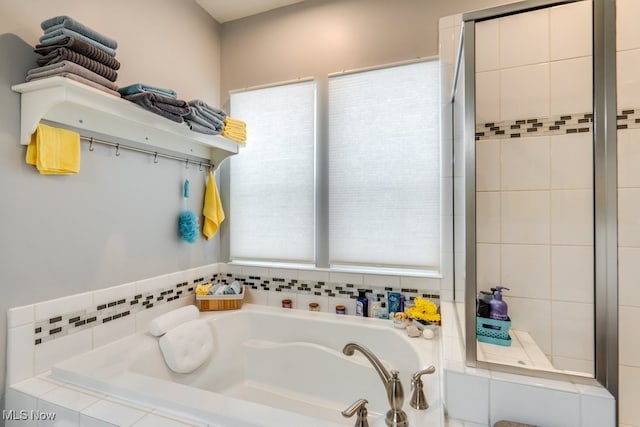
x,y
272,199
384,173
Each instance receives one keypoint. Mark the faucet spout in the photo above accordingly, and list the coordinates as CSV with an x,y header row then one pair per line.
x,y
396,417
350,348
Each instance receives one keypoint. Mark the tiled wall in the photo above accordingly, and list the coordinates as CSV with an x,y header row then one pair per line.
x,y
42,334
628,64
534,200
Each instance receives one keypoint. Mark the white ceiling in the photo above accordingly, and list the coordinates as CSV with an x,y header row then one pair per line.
x,y
228,10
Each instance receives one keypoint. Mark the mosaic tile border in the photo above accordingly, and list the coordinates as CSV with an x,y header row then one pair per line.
x,y
541,126
64,324
67,323
628,118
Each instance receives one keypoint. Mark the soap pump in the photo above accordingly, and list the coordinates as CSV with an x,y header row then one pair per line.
x,y
499,308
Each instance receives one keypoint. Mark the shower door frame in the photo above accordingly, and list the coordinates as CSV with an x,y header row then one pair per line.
x,y
604,183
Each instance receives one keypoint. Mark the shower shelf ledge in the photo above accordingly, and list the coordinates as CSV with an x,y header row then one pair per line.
x,y
81,107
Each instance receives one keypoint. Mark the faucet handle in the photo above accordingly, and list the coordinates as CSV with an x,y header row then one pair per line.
x,y
418,399
359,407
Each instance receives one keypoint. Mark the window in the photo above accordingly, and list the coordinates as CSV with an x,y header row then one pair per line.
x,y
272,204
384,174
383,171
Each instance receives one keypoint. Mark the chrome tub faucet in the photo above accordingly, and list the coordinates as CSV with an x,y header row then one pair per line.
x,y
396,417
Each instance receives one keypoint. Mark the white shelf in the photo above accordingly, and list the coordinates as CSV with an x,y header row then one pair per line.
x,y
72,104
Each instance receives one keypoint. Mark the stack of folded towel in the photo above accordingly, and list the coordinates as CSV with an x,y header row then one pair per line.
x,y
235,129
163,102
70,49
203,118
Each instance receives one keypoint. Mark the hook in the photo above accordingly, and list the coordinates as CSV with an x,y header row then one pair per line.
x,y
186,164
155,158
91,147
200,168
117,150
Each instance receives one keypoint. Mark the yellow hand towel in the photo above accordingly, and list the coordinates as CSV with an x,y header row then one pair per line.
x,y
212,211
230,121
54,151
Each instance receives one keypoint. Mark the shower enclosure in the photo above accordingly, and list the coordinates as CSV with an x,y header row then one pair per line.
x,y
534,182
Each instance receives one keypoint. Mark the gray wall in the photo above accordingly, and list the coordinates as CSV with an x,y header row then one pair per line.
x,y
116,221
318,37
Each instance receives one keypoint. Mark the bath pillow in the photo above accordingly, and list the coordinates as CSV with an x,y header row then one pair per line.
x,y
170,320
187,346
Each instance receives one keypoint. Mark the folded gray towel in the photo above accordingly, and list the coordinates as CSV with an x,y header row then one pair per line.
x,y
63,21
62,33
80,46
70,67
205,119
64,54
170,108
77,78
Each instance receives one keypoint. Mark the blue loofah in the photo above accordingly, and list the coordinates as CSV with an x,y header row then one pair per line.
x,y
188,221
188,226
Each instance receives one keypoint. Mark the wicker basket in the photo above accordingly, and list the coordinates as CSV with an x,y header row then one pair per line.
x,y
220,302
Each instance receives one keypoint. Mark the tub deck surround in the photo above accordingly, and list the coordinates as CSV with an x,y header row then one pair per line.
x,y
270,366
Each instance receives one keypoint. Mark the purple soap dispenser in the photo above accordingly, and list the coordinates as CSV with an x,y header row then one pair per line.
x,y
498,310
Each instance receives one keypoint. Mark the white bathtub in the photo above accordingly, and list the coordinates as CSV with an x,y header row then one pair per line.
x,y
270,367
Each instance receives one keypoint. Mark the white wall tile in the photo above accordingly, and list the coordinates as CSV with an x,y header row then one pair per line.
x,y
69,398
523,403
17,401
313,275
627,30
157,420
524,92
628,158
349,304
487,97
524,38
154,283
420,283
572,329
114,293
532,316
526,217
47,309
143,317
256,296
526,271
339,277
19,316
570,30
628,79
629,395
629,217
488,217
628,330
255,271
487,45
572,273
34,386
488,165
570,83
51,352
572,365
274,299
598,411
572,217
110,412
525,163
572,161
488,266
20,353
380,280
467,397
283,273
113,330
628,273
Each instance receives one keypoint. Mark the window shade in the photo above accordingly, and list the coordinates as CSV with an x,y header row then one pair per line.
x,y
272,178
384,173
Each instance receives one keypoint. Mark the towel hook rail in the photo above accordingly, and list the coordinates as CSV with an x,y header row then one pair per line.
x,y
156,155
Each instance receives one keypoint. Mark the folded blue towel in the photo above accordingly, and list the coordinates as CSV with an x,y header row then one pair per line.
x,y
142,88
58,22
62,33
205,119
